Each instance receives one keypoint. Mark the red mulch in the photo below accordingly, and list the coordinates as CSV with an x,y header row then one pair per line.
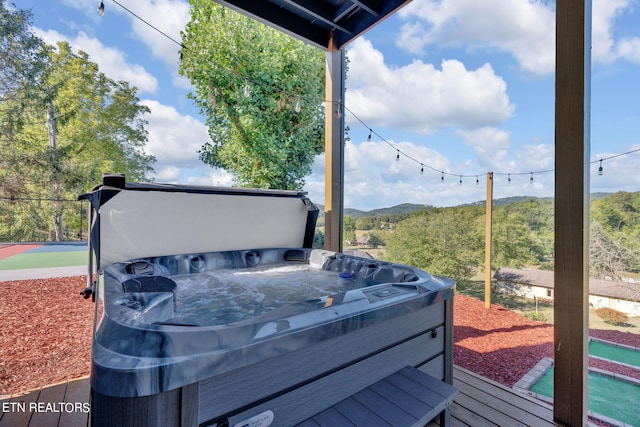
x,y
45,333
45,336
503,346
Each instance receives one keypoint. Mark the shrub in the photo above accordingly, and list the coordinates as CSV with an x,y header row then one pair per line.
x,y
538,316
611,316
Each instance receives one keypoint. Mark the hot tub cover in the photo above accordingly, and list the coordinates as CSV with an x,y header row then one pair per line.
x,y
146,219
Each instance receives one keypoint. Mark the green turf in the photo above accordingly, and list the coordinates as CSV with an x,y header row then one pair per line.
x,y
619,354
606,396
44,260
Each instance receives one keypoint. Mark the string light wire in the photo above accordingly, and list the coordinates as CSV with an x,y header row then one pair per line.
x,y
371,131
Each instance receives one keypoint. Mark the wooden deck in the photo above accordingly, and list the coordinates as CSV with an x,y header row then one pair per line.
x,y
479,402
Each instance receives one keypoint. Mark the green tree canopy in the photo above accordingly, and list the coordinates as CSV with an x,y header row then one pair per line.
x,y
441,241
261,92
512,244
74,125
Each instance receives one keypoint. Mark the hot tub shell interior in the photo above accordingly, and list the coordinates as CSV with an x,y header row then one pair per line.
x,y
216,337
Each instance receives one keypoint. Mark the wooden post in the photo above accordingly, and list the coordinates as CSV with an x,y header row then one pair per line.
x,y
488,233
572,151
334,149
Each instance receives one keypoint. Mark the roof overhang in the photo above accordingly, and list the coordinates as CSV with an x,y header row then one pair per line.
x,y
321,23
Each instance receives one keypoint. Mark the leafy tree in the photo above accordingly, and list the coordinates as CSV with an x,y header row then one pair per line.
x,y
375,240
349,229
608,256
21,53
512,244
447,242
81,124
261,91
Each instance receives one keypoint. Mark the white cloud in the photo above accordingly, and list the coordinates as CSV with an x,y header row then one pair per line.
x,y
490,145
167,16
420,98
174,139
523,28
111,61
629,49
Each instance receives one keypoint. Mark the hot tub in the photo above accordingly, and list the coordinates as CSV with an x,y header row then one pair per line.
x,y
270,332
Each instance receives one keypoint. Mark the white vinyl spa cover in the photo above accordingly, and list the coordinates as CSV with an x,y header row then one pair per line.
x,y
148,221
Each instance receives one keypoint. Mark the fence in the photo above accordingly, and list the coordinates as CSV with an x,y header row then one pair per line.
x,y
42,220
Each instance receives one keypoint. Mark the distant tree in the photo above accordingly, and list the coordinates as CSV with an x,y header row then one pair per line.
x,y
512,243
318,240
447,242
366,223
375,240
607,255
23,59
261,92
349,229
80,125
21,53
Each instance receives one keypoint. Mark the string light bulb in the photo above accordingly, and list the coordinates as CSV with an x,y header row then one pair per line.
x,y
460,182
101,8
442,177
421,168
477,180
600,172
247,91
531,179
369,137
509,178
398,156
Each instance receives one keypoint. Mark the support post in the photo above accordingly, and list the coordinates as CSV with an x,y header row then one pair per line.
x,y
572,152
334,148
487,241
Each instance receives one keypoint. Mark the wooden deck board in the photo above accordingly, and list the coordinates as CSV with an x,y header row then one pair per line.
x,y
501,405
479,403
54,405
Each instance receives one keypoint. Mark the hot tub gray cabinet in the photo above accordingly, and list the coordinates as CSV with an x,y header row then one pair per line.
x,y
271,332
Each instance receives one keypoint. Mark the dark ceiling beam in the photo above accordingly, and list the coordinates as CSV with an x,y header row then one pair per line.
x,y
368,6
319,11
281,19
344,11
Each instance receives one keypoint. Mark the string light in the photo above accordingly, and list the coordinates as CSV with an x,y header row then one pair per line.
x,y
247,91
369,137
421,169
531,179
600,172
460,182
509,179
398,156
442,177
101,8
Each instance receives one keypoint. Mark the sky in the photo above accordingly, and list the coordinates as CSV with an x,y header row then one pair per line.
x,y
457,88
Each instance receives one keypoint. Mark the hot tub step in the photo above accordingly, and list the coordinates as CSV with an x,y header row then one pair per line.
x,y
407,397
